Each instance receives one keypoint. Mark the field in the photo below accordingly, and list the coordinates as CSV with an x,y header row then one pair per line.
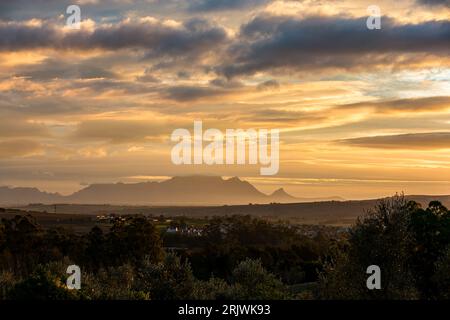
x,y
333,213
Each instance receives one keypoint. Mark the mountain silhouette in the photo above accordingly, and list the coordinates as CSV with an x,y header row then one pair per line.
x,y
177,190
27,195
186,190
280,195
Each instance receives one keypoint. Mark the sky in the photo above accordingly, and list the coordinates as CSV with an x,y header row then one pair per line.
x,y
362,113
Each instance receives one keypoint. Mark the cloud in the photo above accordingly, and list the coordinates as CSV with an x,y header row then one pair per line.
x,y
20,9
280,42
434,2
420,141
222,5
426,104
19,148
97,9
269,84
283,117
12,127
97,86
53,68
123,131
158,38
192,93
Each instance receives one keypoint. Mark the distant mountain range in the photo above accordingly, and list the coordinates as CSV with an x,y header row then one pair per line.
x,y
189,190
13,196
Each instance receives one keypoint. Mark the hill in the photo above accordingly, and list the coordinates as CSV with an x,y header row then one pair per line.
x,y
324,212
189,190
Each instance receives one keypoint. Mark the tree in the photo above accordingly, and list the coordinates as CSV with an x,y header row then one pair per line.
x,y
212,289
407,242
42,285
171,279
22,239
95,254
381,238
250,281
431,231
441,277
7,282
134,239
112,283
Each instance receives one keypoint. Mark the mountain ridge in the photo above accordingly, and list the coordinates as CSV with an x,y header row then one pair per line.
x,y
178,190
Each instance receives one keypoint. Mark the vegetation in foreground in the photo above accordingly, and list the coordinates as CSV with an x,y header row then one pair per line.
x,y
236,257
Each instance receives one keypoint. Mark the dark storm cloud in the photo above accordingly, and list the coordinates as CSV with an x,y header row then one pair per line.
x,y
18,36
96,10
422,141
222,5
435,2
265,43
270,42
192,93
26,9
195,36
226,83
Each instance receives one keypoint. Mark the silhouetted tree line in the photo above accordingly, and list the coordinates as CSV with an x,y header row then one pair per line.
x,y
279,246
236,257
24,244
411,245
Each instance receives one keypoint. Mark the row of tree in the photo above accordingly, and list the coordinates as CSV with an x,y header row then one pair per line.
x,y
236,257
411,246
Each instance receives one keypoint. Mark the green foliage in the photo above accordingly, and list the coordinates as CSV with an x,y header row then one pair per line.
x,y
171,279
279,246
7,282
129,262
113,283
212,289
22,242
96,252
250,281
41,285
134,239
236,257
405,241
441,277
431,231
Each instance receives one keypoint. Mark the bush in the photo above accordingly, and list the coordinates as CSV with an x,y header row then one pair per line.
x,y
114,283
42,285
405,241
250,281
441,278
213,289
171,279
